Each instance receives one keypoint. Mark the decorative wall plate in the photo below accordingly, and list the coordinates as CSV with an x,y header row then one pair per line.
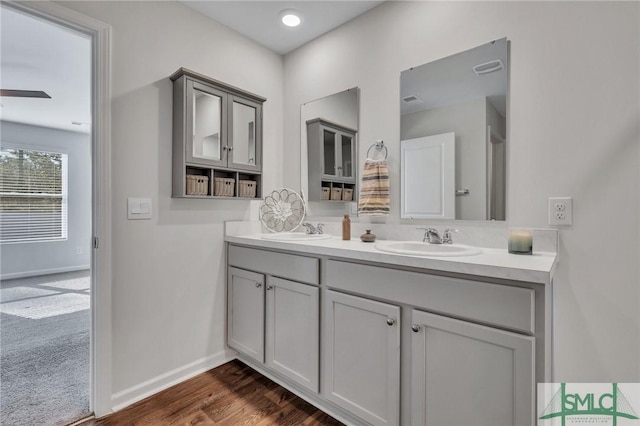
x,y
282,211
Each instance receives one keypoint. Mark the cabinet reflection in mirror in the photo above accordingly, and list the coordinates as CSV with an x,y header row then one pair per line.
x,y
453,136
329,153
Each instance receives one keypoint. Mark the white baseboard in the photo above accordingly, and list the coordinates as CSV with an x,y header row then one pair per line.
x,y
43,272
144,390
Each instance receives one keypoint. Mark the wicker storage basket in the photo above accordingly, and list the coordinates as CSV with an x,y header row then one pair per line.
x,y
347,194
247,188
224,187
197,185
325,193
336,194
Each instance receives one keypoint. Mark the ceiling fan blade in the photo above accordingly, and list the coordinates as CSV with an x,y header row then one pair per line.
x,y
24,93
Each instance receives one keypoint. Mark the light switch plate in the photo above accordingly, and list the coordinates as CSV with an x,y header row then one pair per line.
x,y
139,208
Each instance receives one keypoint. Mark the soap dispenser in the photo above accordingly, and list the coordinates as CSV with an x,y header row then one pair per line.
x,y
346,228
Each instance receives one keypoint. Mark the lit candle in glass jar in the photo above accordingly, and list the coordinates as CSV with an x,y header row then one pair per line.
x,y
520,241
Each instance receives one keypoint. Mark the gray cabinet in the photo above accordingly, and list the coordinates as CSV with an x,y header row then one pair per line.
x,y
332,159
217,138
361,357
276,324
396,345
245,311
468,374
292,331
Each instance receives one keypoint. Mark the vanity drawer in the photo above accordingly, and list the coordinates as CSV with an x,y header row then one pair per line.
x,y
494,304
289,266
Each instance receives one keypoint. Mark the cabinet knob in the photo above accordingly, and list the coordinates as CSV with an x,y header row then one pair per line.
x,y
224,148
390,321
269,287
415,328
258,285
230,148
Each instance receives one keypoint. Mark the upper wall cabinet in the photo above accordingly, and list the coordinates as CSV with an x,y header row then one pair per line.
x,y
217,138
331,149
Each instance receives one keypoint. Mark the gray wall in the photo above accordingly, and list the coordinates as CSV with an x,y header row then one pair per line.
x,y
573,130
169,272
36,258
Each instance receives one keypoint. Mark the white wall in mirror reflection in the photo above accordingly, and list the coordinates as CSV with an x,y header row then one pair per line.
x,y
448,95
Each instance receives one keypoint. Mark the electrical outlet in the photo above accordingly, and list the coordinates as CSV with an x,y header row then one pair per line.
x,y
560,210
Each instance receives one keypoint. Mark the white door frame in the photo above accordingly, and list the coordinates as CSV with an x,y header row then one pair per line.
x,y
100,346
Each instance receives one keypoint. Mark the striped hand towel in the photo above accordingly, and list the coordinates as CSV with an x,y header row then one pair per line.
x,y
374,191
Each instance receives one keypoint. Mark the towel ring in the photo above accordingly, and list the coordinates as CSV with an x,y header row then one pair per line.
x,y
379,146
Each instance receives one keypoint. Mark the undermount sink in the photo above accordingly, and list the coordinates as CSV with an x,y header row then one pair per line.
x,y
417,248
295,236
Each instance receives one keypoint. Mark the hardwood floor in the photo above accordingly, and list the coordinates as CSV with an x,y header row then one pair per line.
x,y
232,394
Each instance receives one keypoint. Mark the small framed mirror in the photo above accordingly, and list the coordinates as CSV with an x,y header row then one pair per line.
x,y
329,152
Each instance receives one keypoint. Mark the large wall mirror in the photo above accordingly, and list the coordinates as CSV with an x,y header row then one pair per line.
x,y
453,136
329,153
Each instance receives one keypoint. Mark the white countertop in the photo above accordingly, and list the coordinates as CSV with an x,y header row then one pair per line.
x,y
493,263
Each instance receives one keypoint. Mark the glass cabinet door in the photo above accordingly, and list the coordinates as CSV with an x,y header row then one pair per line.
x,y
245,139
207,128
346,158
244,134
329,163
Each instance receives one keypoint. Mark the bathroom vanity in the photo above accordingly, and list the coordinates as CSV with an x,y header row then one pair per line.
x,y
386,339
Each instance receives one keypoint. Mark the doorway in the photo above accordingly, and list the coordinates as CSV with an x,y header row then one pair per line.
x,y
49,220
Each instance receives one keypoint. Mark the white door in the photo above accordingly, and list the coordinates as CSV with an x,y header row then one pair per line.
x,y
361,357
245,312
428,177
464,374
293,331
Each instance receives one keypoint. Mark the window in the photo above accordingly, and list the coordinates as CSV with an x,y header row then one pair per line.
x,y
33,195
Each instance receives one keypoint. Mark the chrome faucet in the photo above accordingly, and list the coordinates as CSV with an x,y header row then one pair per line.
x,y
431,236
314,229
446,236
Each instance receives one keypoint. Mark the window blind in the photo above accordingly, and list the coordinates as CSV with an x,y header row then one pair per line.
x,y
33,195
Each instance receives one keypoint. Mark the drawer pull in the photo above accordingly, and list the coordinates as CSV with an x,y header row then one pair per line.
x,y
258,285
269,287
415,328
390,321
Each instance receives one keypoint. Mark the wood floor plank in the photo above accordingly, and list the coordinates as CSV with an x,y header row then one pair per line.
x,y
232,394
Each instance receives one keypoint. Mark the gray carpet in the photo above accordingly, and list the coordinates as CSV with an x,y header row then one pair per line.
x,y
44,351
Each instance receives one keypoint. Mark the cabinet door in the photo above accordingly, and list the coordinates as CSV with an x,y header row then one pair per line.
x,y
206,127
346,148
468,374
245,134
361,357
245,312
329,153
292,330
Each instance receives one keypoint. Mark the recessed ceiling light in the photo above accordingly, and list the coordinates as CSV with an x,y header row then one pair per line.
x,y
291,17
